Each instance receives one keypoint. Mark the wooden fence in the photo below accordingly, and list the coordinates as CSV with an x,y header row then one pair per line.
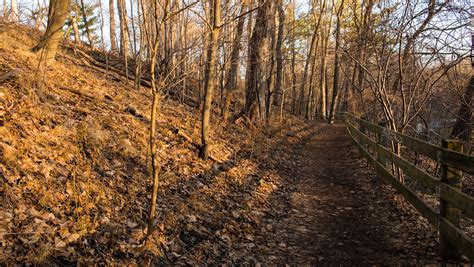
x,y
453,202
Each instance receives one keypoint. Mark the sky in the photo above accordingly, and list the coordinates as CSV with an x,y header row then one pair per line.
x,y
27,6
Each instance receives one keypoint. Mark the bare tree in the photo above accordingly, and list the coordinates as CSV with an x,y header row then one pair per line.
x,y
210,76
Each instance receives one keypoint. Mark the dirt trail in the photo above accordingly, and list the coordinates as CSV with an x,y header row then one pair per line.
x,y
338,212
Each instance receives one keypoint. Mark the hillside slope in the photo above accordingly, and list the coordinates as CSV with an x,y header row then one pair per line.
x,y
73,168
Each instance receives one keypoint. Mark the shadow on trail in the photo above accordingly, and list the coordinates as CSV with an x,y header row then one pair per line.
x,y
328,218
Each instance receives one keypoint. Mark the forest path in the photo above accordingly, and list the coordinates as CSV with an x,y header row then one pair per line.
x,y
340,213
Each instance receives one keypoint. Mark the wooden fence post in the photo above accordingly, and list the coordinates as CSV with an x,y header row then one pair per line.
x,y
451,177
382,141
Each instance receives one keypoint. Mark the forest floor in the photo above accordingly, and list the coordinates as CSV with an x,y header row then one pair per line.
x,y
74,184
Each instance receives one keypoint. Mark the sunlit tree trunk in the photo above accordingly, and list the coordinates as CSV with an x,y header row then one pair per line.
x,y
75,28
209,80
124,35
14,15
113,38
322,76
4,9
48,45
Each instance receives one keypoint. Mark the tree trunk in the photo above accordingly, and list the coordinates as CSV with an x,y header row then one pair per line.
x,y
13,16
462,129
209,80
324,81
367,21
231,82
335,90
310,103
88,31
75,27
293,58
270,66
48,45
139,60
113,38
254,68
305,73
124,36
279,55
153,47
4,9
133,41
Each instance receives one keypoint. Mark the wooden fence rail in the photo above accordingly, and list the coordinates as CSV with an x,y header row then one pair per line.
x,y
453,202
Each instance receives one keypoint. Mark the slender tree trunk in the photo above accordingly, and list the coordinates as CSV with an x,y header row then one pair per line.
x,y
75,28
14,15
134,32
124,35
326,88
113,38
364,36
279,55
462,129
322,79
183,55
305,73
312,60
102,40
48,45
88,31
293,60
139,60
209,80
4,10
152,42
335,90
